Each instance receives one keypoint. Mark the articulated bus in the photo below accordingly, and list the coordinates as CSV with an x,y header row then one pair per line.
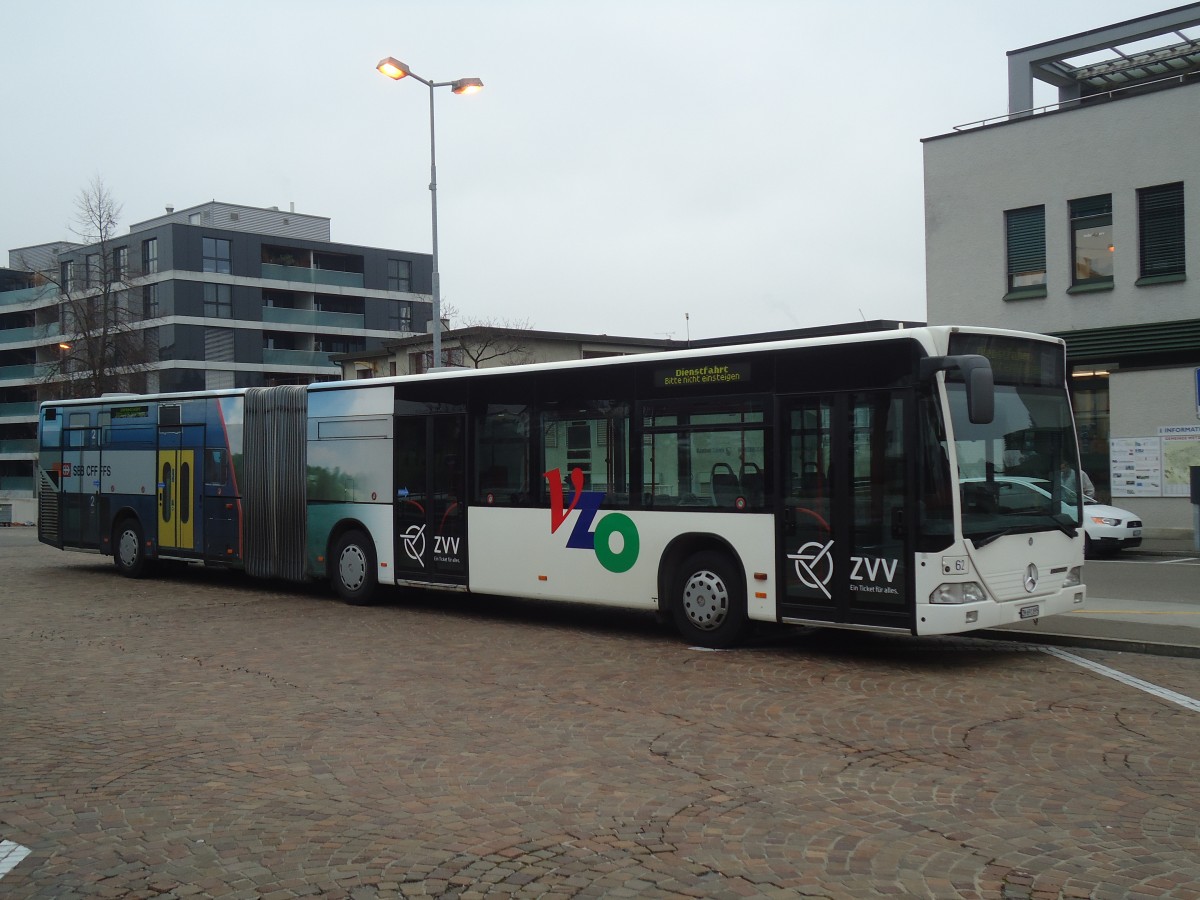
x,y
901,481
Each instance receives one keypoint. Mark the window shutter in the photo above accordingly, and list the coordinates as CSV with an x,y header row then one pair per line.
x,y
1026,239
1086,207
1160,233
218,345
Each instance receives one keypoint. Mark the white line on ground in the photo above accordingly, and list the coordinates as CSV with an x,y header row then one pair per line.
x,y
10,855
1156,562
1161,693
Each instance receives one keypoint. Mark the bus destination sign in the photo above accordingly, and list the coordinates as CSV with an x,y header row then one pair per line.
x,y
736,373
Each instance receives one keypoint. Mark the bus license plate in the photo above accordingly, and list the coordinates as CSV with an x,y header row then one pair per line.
x,y
1029,612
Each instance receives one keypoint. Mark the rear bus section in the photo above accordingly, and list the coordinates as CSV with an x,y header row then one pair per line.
x,y
214,479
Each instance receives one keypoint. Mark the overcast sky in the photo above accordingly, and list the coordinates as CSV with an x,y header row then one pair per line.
x,y
752,165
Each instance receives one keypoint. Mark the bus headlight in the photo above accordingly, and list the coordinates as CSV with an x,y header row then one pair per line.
x,y
968,592
1074,577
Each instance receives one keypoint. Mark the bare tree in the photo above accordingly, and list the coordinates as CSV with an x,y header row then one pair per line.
x,y
103,344
486,339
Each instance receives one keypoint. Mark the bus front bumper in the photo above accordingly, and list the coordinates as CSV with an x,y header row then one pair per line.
x,y
955,618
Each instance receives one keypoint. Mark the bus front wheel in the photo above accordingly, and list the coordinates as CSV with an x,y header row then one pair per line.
x,y
353,570
129,550
709,601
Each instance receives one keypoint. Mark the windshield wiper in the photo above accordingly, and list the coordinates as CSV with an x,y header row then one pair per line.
x,y
988,538
983,540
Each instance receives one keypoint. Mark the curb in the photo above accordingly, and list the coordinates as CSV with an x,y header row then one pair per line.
x,y
1118,645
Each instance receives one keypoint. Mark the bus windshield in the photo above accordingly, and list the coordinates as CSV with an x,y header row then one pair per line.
x,y
1013,472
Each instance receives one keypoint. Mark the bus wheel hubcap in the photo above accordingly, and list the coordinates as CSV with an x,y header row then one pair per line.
x,y
352,568
128,548
705,600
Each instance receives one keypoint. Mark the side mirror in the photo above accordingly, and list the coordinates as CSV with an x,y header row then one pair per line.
x,y
977,377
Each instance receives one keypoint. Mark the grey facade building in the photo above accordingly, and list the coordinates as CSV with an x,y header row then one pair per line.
x,y
1081,219
225,295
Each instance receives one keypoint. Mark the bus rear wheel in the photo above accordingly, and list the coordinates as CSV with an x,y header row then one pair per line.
x,y
709,601
129,549
353,569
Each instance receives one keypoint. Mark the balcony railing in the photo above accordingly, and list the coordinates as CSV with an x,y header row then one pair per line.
x,y
313,317
32,333
15,484
311,276
295,358
24,373
24,410
25,295
19,445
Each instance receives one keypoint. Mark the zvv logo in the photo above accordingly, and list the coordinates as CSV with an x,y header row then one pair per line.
x,y
814,568
414,543
808,559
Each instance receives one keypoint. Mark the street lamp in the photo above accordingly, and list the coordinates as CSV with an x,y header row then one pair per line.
x,y
394,69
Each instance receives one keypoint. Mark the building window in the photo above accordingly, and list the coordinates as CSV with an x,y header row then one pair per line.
x,y
91,271
150,301
1160,233
399,315
422,361
337,344
399,275
120,263
66,275
1025,232
218,301
150,256
1092,242
216,255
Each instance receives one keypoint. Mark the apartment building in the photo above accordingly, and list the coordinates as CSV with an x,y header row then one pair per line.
x,y
1080,219
215,296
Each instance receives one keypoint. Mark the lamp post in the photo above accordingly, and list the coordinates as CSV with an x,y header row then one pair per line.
x,y
394,69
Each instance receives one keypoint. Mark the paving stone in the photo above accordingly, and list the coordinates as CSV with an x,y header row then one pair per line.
x,y
204,735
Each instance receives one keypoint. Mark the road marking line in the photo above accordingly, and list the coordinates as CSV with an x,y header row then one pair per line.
x,y
10,855
1135,612
1168,562
1152,689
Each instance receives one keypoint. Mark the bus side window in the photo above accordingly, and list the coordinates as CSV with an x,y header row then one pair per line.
x,y
502,454
216,466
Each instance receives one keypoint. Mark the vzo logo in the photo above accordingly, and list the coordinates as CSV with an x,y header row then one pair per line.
x,y
582,536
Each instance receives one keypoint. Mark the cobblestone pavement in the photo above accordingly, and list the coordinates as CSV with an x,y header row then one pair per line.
x,y
203,734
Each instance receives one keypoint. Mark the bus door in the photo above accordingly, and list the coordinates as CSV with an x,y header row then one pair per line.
x,y
430,502
79,517
845,550
178,484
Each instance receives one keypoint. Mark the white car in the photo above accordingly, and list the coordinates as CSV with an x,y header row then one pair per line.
x,y
1106,529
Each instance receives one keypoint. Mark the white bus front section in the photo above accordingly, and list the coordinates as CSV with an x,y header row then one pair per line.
x,y
514,552
1015,578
